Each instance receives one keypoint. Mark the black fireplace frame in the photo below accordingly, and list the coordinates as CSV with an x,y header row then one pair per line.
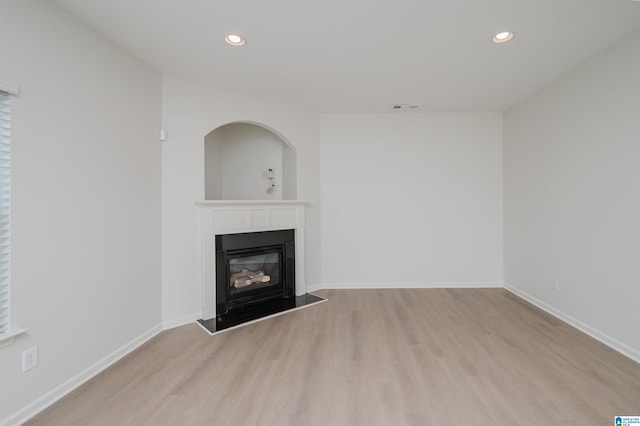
x,y
229,246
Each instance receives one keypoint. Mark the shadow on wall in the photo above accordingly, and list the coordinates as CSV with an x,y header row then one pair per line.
x,y
247,161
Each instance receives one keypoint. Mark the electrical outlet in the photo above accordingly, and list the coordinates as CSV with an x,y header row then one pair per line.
x,y
29,359
556,284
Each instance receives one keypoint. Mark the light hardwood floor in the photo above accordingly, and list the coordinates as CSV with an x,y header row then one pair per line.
x,y
368,357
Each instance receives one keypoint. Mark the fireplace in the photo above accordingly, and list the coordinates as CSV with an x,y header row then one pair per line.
x,y
252,255
254,269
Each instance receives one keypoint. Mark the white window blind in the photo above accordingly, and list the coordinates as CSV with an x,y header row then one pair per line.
x,y
5,209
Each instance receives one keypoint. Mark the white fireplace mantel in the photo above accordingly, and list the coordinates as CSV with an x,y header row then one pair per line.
x,y
219,217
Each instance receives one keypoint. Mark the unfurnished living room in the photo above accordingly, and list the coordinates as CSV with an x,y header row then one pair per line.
x,y
319,213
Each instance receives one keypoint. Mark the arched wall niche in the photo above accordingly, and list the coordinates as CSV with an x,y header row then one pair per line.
x,y
237,158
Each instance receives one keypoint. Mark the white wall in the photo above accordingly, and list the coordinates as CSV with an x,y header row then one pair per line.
x,y
248,151
412,199
190,112
289,174
86,199
572,204
213,166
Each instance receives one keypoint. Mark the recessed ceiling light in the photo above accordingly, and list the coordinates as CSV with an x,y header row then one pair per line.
x,y
503,37
235,40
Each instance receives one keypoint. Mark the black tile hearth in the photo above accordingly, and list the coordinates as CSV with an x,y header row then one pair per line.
x,y
258,311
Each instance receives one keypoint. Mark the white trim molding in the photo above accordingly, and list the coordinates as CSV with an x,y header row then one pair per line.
x,y
73,383
339,286
9,86
179,322
614,344
7,338
314,287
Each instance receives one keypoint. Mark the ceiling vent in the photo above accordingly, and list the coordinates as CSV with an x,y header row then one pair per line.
x,y
404,106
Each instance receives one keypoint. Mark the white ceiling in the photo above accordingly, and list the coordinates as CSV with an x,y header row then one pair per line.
x,y
365,55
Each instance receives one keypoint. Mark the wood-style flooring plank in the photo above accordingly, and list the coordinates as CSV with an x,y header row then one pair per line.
x,y
368,357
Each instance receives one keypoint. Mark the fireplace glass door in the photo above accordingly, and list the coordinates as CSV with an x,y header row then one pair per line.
x,y
254,271
254,267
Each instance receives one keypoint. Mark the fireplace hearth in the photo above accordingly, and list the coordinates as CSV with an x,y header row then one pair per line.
x,y
258,311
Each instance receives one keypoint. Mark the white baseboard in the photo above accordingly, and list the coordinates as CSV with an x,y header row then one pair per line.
x,y
179,322
339,286
70,385
614,344
315,287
